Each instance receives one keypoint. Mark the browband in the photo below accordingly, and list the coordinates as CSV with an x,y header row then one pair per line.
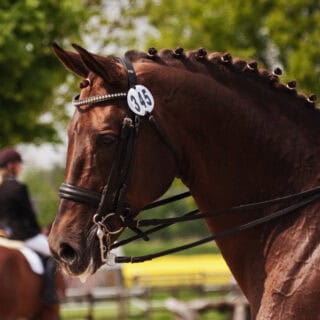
x,y
77,102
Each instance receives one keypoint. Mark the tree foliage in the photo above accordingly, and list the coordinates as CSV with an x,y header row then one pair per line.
x,y
273,32
30,73
284,33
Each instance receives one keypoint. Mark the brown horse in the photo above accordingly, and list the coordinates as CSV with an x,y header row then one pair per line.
x,y
231,132
21,289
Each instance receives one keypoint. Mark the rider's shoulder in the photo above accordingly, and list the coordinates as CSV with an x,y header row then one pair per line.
x,y
13,183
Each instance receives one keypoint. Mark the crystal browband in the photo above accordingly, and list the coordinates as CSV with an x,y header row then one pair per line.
x,y
77,102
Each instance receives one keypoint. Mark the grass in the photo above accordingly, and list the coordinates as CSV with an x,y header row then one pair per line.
x,y
102,314
106,311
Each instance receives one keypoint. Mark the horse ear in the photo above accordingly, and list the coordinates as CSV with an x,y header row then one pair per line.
x,y
71,61
105,67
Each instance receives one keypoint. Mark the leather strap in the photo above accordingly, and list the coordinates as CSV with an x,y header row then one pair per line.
x,y
132,77
70,192
225,233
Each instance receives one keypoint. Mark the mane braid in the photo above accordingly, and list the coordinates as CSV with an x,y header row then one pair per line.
x,y
223,63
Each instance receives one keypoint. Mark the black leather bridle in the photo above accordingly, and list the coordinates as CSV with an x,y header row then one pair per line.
x,y
112,202
113,213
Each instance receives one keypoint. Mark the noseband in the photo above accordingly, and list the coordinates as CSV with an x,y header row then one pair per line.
x,y
114,214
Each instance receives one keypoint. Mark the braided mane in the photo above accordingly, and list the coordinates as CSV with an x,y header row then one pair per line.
x,y
224,68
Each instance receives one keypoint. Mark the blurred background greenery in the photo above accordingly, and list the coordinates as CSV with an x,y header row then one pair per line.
x,y
35,88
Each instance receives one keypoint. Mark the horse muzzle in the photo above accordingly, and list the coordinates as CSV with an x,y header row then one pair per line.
x,y
73,258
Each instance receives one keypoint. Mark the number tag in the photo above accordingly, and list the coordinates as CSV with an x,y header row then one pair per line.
x,y
140,100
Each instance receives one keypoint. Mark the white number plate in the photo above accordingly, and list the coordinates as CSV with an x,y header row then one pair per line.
x,y
140,100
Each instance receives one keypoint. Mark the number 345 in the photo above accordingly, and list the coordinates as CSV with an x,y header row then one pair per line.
x,y
140,100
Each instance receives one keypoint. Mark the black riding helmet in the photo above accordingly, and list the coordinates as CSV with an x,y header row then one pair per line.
x,y
8,155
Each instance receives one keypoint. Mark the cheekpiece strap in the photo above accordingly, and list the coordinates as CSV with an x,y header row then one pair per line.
x,y
132,77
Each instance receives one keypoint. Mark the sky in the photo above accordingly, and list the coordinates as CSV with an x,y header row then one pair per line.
x,y
42,157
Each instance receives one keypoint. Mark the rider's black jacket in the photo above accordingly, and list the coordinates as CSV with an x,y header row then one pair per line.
x,y
16,211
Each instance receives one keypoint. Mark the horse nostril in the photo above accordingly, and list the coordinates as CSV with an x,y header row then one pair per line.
x,y
67,253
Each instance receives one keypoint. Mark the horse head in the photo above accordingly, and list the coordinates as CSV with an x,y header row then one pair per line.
x,y
107,143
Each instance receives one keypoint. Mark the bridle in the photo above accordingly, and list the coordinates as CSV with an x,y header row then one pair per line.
x,y
113,211
113,198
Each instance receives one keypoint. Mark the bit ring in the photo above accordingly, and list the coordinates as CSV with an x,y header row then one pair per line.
x,y
109,216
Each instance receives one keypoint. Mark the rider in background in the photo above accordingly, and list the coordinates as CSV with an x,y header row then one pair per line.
x,y
18,218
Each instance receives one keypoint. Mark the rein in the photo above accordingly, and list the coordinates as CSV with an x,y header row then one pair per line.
x,y
113,212
305,197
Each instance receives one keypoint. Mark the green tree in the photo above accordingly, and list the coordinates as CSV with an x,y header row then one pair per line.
x,y
294,29
272,32
30,73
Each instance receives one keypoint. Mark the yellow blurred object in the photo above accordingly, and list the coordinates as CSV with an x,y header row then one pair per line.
x,y
206,269
3,233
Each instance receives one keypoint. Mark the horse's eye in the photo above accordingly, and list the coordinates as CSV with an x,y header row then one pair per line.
x,y
107,139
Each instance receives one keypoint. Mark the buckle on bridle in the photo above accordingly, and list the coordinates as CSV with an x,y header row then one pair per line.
x,y
104,232
103,221
103,225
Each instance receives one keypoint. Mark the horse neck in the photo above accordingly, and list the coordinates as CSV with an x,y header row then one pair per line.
x,y
242,146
